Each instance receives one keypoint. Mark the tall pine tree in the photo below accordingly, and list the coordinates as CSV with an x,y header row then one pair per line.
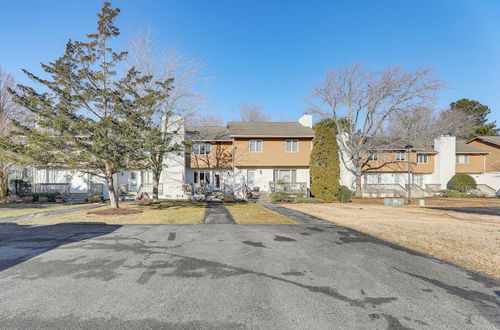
x,y
478,114
324,163
87,117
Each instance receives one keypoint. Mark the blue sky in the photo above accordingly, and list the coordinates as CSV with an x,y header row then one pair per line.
x,y
272,52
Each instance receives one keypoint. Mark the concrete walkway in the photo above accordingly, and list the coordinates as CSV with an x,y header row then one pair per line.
x,y
43,214
216,213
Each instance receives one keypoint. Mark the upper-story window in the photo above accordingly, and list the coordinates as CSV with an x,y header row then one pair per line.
x,y
422,159
202,148
292,145
255,145
400,156
373,156
462,159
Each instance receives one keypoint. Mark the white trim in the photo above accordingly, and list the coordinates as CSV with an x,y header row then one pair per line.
x,y
257,140
291,145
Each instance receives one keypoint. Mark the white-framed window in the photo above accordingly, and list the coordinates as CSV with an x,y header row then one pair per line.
x,y
373,156
147,177
372,178
422,159
202,177
202,148
400,156
255,145
292,145
462,159
285,175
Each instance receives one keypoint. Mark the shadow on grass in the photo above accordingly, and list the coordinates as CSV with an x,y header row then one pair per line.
x,y
171,205
19,243
474,210
20,206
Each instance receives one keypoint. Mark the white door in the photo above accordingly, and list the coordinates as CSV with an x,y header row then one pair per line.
x,y
79,183
132,182
251,178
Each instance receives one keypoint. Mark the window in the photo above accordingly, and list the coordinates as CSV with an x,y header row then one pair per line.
x,y
372,178
202,148
202,177
421,159
285,175
462,159
147,177
255,145
373,156
292,145
400,156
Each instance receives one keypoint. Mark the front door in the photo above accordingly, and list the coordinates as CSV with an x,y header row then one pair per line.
x,y
251,179
132,182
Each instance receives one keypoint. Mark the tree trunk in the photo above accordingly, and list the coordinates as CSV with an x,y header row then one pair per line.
x,y
359,188
4,182
113,199
156,183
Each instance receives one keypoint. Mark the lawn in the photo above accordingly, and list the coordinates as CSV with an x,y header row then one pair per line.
x,y
466,239
251,213
8,210
150,213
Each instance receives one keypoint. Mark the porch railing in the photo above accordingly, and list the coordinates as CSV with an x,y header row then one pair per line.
x,y
49,187
288,187
147,188
96,190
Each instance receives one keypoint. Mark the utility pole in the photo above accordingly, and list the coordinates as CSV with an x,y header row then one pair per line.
x,y
408,149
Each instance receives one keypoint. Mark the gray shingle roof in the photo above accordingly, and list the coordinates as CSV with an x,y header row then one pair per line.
x,y
208,133
490,139
462,147
269,129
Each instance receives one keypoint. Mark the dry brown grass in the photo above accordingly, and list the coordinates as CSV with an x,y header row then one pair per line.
x,y
469,240
251,213
152,213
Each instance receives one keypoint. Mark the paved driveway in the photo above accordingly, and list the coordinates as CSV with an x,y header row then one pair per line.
x,y
310,276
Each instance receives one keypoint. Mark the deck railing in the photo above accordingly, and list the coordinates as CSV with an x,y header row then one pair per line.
x,y
288,187
49,187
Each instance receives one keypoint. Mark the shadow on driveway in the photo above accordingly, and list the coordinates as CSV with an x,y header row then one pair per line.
x,y
19,243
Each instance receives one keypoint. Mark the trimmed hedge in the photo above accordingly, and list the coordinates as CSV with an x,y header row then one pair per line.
x,y
455,193
344,194
307,200
280,197
462,182
35,197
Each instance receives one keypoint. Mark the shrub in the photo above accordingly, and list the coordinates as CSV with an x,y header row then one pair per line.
x,y
462,182
280,197
344,194
42,197
455,193
307,200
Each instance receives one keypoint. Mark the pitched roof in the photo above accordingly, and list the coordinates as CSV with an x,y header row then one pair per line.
x,y
269,129
462,147
208,133
490,139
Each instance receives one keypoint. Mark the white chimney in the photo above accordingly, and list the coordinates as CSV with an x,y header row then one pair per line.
x,y
306,120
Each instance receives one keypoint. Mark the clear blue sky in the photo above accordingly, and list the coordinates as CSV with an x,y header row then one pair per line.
x,y
271,52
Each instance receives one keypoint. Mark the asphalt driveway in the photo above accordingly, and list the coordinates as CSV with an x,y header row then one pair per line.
x,y
310,276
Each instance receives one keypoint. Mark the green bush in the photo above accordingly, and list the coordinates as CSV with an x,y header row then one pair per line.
x,y
455,193
344,194
462,182
280,197
35,197
307,200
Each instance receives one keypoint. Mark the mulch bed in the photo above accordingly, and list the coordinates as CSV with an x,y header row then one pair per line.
x,y
116,212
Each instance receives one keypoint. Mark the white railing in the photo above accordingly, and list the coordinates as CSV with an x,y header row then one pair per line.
x,y
49,187
288,187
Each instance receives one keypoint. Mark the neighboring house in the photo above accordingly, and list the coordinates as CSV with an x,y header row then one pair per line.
x,y
386,173
233,159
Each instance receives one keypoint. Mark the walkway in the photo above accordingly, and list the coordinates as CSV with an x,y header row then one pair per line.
x,y
43,214
216,213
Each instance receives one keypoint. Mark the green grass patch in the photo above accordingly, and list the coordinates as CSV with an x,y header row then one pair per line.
x,y
8,210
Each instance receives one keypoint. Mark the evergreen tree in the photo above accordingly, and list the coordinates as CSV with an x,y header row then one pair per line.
x,y
478,114
87,117
324,163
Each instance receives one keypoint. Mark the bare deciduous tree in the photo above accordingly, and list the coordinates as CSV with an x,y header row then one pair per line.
x,y
183,101
252,113
361,101
9,111
423,124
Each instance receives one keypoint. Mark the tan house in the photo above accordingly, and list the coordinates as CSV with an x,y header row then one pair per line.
x,y
244,156
386,173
